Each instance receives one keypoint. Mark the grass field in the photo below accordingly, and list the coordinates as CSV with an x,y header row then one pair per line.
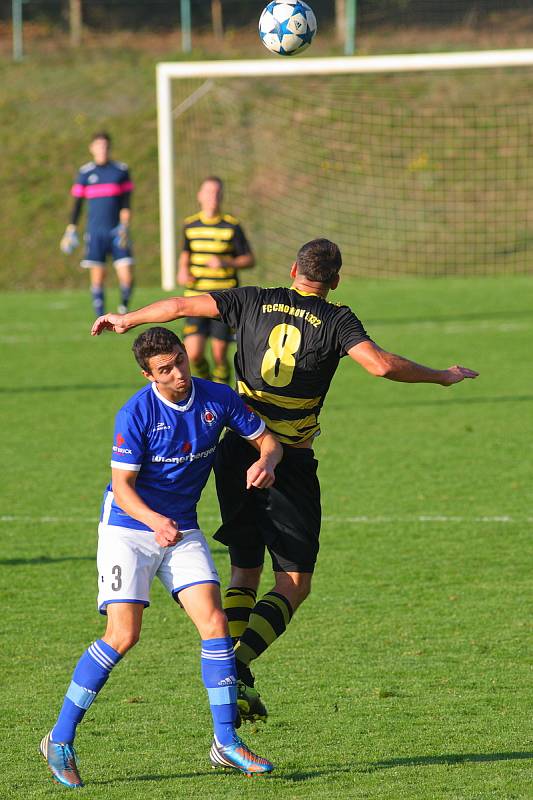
x,y
404,677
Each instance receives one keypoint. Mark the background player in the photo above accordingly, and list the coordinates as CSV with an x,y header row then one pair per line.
x,y
164,444
107,187
214,250
289,342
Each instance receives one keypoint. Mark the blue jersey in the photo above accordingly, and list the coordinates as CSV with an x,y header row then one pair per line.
x,y
104,186
172,448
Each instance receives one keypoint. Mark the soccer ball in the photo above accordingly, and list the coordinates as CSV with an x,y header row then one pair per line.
x,y
287,27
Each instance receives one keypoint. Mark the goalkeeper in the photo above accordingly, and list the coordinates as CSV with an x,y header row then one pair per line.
x,y
107,187
289,343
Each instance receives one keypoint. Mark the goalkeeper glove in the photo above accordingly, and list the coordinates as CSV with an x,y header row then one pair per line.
x,y
69,240
121,236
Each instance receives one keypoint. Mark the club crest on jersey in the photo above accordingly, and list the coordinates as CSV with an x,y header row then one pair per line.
x,y
120,440
93,178
208,417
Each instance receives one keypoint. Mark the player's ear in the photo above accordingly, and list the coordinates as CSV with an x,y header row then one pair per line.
x,y
335,282
294,270
148,376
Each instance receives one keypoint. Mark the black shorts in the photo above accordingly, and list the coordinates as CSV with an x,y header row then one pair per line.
x,y
285,518
204,326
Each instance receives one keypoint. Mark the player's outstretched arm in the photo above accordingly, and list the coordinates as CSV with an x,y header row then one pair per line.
x,y
165,529
261,473
397,368
161,311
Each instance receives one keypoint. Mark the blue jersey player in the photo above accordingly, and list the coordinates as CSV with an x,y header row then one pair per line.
x,y
107,187
164,445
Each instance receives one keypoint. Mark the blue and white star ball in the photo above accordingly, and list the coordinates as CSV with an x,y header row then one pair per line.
x,y
287,27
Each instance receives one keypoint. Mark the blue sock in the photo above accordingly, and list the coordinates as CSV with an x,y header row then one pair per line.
x,y
125,294
90,674
97,294
220,679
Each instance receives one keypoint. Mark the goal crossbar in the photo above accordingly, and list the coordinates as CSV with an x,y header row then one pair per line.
x,y
167,71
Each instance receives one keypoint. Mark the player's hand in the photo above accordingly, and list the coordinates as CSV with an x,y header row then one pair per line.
x,y
215,262
167,533
121,236
184,277
260,474
457,374
109,322
69,240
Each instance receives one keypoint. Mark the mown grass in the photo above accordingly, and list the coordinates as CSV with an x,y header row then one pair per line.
x,y
405,675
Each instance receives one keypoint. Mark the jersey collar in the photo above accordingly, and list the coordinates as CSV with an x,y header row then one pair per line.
x,y
210,220
178,407
304,294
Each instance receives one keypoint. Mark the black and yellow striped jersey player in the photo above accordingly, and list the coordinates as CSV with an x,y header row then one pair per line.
x,y
289,343
214,251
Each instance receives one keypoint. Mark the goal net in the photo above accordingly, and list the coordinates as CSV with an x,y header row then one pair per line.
x,y
414,165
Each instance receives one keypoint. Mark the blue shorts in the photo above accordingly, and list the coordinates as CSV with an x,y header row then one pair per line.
x,y
101,242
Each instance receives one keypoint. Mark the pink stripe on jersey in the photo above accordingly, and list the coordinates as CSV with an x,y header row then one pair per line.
x,y
103,190
78,190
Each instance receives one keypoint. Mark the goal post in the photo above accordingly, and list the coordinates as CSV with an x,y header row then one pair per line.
x,y
256,72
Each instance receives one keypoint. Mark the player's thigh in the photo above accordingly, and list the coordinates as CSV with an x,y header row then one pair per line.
x,y
96,248
124,622
203,604
187,563
240,508
127,559
292,524
97,275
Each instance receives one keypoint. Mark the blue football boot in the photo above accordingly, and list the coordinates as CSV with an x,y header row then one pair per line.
x,y
61,760
238,756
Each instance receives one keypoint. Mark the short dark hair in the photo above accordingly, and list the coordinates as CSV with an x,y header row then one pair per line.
x,y
101,135
154,342
213,179
319,260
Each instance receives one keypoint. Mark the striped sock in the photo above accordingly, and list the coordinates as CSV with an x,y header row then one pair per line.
x,y
200,369
97,294
125,293
90,674
220,679
268,620
221,373
238,604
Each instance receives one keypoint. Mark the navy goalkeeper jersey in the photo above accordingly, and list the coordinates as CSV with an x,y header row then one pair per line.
x,y
105,187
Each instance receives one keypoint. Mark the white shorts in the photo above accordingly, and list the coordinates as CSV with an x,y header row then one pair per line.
x,y
128,561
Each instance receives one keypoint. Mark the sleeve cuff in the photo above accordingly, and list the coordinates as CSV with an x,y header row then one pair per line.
x,y
126,467
258,432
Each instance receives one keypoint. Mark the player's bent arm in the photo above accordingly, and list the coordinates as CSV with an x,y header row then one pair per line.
x,y
184,275
246,261
397,368
261,473
165,529
202,305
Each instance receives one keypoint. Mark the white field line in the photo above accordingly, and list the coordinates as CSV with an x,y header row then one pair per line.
x,y
337,519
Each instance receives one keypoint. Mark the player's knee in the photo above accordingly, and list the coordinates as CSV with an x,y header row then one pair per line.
x,y
215,625
123,640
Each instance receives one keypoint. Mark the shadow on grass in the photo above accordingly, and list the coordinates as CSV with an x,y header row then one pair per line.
x,y
18,562
73,387
415,761
447,758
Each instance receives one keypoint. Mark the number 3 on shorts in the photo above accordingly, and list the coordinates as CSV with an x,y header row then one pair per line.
x,y
278,362
116,571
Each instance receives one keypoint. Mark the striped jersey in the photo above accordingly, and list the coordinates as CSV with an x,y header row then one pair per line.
x,y
288,347
205,237
105,187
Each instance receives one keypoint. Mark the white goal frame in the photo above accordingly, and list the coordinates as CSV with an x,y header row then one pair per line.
x,y
167,71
